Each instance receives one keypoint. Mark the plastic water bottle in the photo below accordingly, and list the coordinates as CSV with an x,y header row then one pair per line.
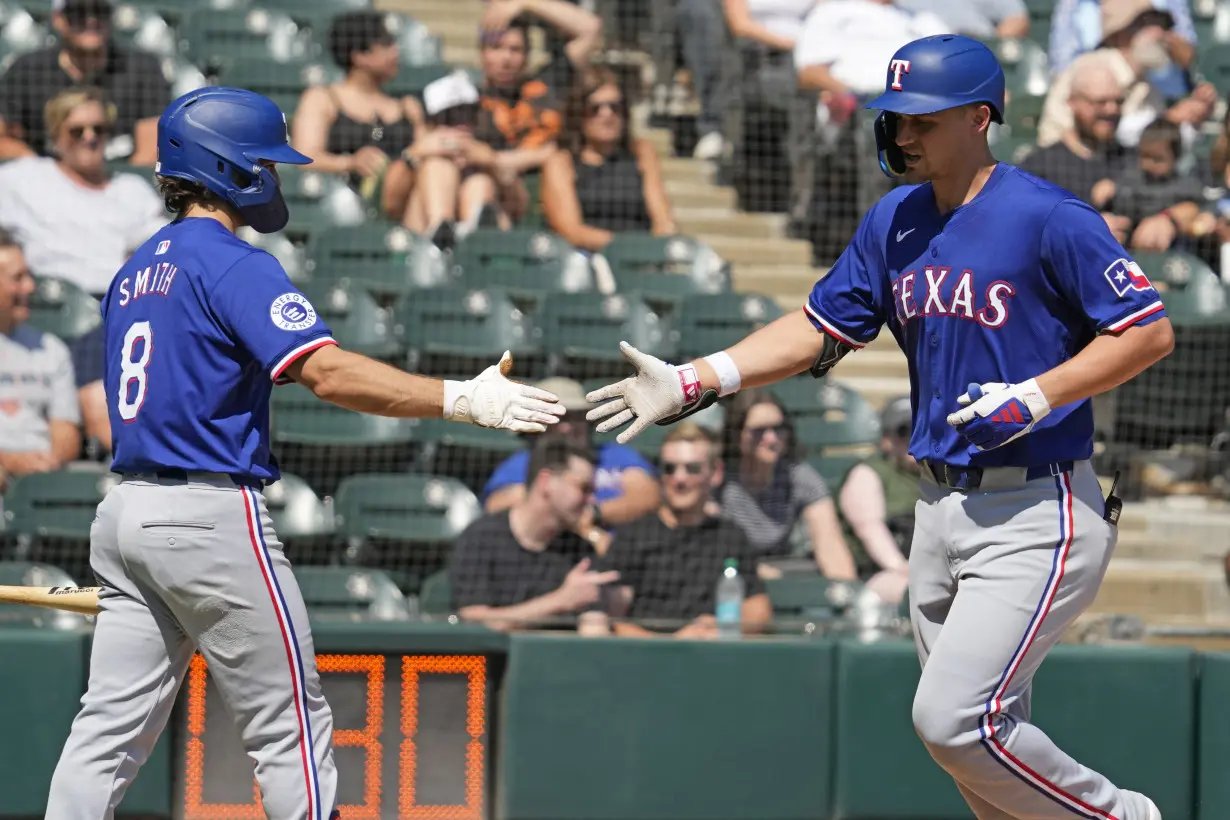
x,y
729,610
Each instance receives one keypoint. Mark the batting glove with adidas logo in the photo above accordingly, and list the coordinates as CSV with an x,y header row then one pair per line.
x,y
995,413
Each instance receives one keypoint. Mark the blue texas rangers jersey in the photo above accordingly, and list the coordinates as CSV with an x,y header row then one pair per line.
x,y
1002,289
198,327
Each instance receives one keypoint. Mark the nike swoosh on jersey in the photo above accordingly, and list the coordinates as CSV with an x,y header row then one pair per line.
x,y
903,234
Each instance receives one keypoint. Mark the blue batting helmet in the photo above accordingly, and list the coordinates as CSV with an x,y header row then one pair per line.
x,y
930,75
218,137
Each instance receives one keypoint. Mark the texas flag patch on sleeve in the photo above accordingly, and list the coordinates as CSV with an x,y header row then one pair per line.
x,y
1125,275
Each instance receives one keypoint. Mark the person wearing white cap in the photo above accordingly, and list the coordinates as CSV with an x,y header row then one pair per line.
x,y
626,483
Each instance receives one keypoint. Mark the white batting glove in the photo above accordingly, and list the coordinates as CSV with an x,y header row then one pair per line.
x,y
995,413
657,391
491,399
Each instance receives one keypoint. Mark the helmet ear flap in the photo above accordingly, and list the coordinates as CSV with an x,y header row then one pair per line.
x,y
892,158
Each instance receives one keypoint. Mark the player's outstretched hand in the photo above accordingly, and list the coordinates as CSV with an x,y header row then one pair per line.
x,y
491,399
995,413
655,393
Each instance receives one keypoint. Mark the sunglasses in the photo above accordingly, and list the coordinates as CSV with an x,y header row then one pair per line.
x,y
779,430
690,467
77,132
78,17
593,109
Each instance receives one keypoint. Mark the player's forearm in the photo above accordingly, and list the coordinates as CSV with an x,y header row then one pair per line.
x,y
779,350
1107,362
358,383
520,160
517,616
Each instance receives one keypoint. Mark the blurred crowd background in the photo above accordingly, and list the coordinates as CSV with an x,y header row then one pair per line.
x,y
553,177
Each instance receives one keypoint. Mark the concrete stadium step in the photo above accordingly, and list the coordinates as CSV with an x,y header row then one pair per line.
x,y
877,390
686,168
460,54
740,250
787,284
1154,589
691,193
695,221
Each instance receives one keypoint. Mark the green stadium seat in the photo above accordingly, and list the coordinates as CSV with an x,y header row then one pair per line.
x,y
834,467
30,574
386,260
214,36
144,29
405,524
715,321
318,202
357,321
827,413
302,521
1023,114
1213,64
352,591
436,595
1014,150
322,443
283,83
1027,70
807,595
291,256
48,518
412,78
1176,270
20,31
63,309
524,263
642,264
314,9
182,76
175,11
582,332
417,46
458,332
464,452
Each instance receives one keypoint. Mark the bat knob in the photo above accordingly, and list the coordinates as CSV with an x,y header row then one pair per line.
x,y
506,363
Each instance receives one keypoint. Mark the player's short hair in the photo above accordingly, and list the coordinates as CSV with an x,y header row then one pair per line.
x,y
178,195
554,454
357,31
690,431
1163,130
57,109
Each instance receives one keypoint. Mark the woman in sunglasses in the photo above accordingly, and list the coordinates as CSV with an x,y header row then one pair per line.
x,y
602,181
769,489
74,219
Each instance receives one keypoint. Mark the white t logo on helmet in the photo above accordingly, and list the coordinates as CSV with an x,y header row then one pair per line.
x,y
898,67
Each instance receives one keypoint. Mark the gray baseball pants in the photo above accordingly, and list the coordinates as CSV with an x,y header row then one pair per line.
x,y
195,565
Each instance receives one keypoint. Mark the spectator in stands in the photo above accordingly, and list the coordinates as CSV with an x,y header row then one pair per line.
x,y
669,561
85,55
876,506
526,566
625,483
354,127
768,490
841,55
1211,227
703,39
87,356
74,218
1136,44
977,18
38,402
602,181
1161,203
1090,156
1077,26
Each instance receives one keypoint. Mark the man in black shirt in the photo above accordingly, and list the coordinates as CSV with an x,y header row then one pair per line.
x,y
1090,157
85,56
525,566
670,561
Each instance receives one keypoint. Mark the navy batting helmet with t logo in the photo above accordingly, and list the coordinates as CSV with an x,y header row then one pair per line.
x,y
933,74
219,137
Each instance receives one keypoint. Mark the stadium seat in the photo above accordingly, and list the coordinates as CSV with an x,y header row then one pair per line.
x,y
526,264
48,518
1024,113
386,260
322,443
317,202
281,82
144,29
1213,64
1176,270
63,309
807,595
827,413
582,331
318,9
353,591
291,256
1014,150
436,595
405,524
833,467
214,36
457,332
632,254
175,11
463,451
29,574
357,321
302,521
21,32
417,46
715,321
1027,70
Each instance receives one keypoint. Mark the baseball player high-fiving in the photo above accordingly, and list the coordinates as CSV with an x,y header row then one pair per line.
x,y
1014,305
199,327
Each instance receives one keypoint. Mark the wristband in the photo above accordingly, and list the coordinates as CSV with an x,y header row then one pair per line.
x,y
728,375
453,390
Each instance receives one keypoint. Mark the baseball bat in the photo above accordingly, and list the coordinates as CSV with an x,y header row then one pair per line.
x,y
82,600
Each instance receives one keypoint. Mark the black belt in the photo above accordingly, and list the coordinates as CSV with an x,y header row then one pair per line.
x,y
970,478
187,475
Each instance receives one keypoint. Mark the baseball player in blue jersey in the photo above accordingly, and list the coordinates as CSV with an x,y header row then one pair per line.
x,y
1014,305
199,326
